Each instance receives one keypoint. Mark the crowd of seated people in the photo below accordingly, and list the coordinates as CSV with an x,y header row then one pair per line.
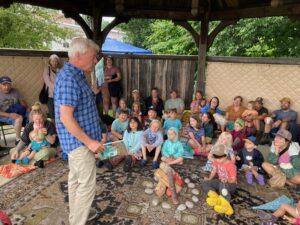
x,y
152,128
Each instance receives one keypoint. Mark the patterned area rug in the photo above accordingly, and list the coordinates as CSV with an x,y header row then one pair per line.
x,y
41,197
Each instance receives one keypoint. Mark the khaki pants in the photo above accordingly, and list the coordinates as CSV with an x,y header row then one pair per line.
x,y
81,184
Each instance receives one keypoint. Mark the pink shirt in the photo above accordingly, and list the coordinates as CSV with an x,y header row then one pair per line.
x,y
285,158
225,170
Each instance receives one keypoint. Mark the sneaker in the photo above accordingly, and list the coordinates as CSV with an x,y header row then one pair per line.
x,y
99,163
155,165
261,180
109,166
143,163
39,164
25,160
127,164
18,162
93,214
249,177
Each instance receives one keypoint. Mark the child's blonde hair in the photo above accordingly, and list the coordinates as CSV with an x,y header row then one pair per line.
x,y
155,121
227,136
36,109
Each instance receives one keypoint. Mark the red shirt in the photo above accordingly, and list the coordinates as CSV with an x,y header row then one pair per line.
x,y
225,170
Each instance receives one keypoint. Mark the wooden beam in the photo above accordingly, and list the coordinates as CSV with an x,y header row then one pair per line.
x,y
190,29
221,26
97,23
234,14
87,30
232,3
202,52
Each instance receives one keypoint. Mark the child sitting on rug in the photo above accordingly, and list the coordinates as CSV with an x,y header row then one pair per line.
x,y
281,212
152,115
172,150
249,159
172,121
225,138
152,142
225,185
132,140
249,116
208,125
119,126
136,111
238,135
196,135
38,141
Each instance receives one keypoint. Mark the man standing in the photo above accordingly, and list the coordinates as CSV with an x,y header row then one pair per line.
x,y
78,127
12,106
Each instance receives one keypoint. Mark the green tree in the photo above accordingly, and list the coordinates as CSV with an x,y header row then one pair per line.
x,y
264,37
137,30
29,27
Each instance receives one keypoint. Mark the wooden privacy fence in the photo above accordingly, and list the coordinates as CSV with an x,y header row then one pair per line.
x,y
164,72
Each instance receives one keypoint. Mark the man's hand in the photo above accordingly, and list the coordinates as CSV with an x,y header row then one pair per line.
x,y
14,116
277,123
95,146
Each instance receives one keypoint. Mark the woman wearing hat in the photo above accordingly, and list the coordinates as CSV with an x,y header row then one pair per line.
x,y
284,156
49,76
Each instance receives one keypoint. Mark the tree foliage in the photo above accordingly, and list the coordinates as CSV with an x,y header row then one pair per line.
x,y
29,27
263,37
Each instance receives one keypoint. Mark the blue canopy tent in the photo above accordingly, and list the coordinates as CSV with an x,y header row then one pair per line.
x,y
113,46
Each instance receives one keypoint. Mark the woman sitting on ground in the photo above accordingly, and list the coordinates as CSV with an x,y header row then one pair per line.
x,y
38,120
284,156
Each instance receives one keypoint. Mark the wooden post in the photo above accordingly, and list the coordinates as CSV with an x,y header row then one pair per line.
x,y
202,53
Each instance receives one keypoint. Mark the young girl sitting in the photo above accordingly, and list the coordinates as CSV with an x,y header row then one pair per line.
x,y
172,150
225,138
38,141
238,135
249,159
208,125
132,140
122,106
196,136
136,111
152,142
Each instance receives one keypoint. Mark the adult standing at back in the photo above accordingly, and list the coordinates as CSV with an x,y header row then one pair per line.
x,y
77,123
234,111
111,89
155,102
49,76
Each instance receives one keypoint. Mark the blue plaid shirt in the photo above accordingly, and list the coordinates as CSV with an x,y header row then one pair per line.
x,y
71,89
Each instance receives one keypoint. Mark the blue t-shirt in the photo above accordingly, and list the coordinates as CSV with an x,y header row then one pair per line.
x,y
198,134
172,123
36,146
118,126
280,114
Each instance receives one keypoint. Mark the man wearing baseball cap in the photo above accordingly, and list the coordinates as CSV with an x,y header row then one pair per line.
x,y
11,97
284,118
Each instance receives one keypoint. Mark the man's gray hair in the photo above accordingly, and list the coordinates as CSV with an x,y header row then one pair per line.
x,y
81,45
